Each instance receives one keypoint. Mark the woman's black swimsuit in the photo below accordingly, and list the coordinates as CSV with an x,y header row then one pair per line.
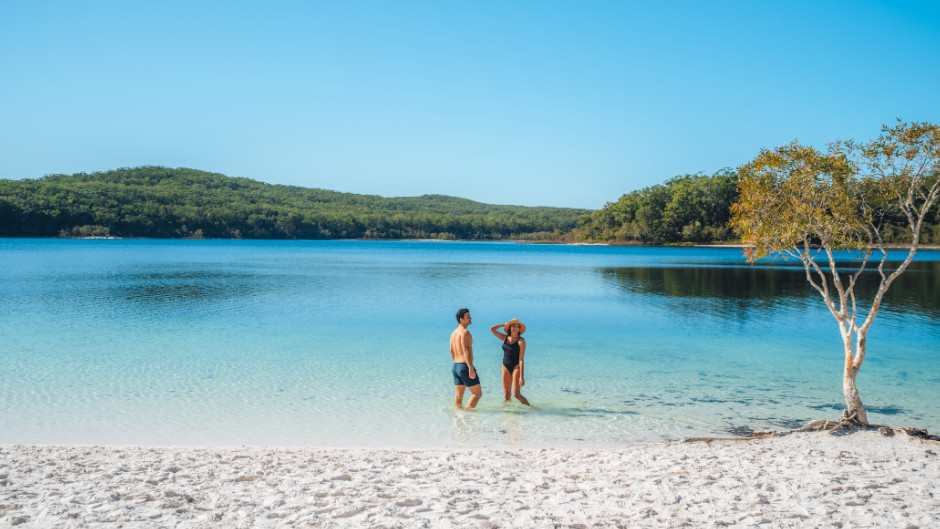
x,y
511,355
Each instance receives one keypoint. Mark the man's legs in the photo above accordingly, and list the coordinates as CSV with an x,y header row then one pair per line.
x,y
458,399
476,392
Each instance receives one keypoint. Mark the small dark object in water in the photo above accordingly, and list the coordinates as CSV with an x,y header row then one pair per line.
x,y
743,431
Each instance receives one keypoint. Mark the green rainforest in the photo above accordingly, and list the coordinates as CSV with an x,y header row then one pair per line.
x,y
161,202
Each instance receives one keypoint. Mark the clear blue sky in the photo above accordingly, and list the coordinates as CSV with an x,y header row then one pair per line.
x,y
536,103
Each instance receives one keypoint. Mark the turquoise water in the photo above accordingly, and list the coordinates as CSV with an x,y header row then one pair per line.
x,y
345,343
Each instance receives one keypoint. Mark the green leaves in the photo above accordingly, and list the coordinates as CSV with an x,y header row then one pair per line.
x,y
164,202
792,194
689,208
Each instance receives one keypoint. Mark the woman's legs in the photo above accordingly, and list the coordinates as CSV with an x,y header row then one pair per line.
x,y
507,384
516,379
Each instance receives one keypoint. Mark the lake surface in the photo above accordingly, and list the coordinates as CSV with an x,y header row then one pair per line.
x,y
345,343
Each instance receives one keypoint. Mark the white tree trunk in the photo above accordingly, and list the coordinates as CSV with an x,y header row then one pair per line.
x,y
854,409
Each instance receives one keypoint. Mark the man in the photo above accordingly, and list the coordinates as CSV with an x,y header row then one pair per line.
x,y
461,350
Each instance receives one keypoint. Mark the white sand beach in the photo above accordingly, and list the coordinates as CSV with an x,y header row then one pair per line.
x,y
801,480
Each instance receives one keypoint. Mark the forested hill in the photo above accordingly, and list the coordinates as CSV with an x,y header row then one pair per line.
x,y
686,209
164,202
695,209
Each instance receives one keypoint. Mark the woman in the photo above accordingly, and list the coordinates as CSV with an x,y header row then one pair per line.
x,y
513,353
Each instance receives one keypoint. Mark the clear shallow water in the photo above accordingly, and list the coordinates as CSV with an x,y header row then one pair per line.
x,y
344,343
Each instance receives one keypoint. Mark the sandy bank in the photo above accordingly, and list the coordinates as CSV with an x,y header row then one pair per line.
x,y
802,480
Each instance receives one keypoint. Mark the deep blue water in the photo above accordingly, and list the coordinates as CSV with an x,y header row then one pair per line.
x,y
345,343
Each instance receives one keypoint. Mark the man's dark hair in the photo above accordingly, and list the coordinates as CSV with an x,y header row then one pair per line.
x,y
460,314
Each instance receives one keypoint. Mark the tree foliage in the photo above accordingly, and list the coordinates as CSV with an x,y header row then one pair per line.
x,y
689,208
697,208
796,194
170,203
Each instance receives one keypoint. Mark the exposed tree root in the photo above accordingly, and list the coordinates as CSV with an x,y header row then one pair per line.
x,y
917,433
848,423
840,427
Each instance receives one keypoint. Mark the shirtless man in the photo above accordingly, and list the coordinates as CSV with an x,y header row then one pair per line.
x,y
461,350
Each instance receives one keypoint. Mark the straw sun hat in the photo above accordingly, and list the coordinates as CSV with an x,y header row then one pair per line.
x,y
507,329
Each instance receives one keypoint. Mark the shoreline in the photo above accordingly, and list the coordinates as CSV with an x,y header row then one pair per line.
x,y
628,244
860,479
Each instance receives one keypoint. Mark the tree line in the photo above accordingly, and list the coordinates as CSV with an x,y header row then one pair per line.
x,y
696,209
163,202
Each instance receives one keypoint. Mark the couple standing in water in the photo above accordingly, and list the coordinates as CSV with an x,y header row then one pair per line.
x,y
465,375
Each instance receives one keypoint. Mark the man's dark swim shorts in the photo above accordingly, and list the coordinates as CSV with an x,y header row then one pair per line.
x,y
462,376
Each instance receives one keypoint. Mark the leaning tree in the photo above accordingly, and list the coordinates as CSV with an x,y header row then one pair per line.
x,y
797,201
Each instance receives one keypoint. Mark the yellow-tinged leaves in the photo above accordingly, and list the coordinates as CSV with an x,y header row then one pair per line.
x,y
796,193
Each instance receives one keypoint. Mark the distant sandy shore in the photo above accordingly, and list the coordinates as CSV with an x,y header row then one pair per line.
x,y
800,480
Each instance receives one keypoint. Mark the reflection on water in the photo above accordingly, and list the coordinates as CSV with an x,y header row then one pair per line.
x,y
917,289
